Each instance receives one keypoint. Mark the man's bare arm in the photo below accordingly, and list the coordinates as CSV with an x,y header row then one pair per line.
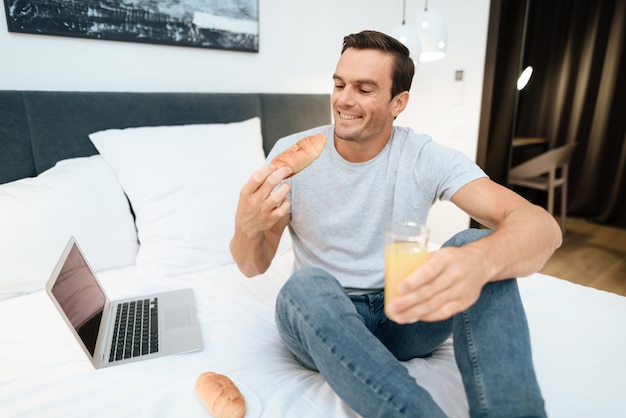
x,y
525,235
261,217
451,279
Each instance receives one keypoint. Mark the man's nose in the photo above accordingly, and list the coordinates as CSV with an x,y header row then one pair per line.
x,y
346,96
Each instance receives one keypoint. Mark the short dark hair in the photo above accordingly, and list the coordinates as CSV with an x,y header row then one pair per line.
x,y
403,68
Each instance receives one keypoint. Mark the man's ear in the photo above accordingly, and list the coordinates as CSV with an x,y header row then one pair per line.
x,y
399,103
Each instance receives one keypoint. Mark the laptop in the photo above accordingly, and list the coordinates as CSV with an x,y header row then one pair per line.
x,y
121,331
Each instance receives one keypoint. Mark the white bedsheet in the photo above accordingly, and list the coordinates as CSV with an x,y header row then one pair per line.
x,y
578,336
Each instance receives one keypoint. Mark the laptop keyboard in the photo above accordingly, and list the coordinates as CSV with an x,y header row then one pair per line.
x,y
136,330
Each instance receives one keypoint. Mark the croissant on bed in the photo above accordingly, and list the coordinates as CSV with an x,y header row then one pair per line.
x,y
220,396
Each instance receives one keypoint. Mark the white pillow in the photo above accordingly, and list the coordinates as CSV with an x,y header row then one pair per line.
x,y
183,183
80,197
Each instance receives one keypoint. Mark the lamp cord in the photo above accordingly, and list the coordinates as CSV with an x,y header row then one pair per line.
x,y
403,12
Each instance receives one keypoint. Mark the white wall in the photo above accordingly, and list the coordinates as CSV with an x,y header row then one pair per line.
x,y
298,49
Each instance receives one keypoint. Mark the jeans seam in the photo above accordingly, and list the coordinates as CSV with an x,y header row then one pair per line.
x,y
378,392
475,369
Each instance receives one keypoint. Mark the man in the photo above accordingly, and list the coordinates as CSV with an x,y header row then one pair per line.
x,y
329,313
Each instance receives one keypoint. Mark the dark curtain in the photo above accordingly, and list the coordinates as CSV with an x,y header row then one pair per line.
x,y
578,94
499,99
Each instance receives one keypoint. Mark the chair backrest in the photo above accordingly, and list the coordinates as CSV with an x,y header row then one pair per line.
x,y
543,163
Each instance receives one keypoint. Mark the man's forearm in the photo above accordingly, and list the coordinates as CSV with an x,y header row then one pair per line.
x,y
518,247
253,255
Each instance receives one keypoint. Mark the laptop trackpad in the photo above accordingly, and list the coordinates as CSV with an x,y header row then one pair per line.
x,y
177,317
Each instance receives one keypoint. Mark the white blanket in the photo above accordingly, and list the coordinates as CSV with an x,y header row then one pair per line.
x,y
578,335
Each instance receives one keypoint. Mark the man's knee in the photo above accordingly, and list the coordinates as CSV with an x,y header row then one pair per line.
x,y
466,236
308,288
503,290
308,281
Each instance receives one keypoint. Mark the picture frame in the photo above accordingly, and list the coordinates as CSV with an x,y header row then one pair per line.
x,y
217,24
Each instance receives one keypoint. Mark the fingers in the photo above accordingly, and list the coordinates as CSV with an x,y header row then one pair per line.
x,y
444,285
434,308
277,202
262,200
265,180
271,195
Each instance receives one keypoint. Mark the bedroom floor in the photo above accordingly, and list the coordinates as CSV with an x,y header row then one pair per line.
x,y
592,255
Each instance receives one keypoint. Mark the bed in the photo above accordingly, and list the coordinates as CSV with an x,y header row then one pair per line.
x,y
164,170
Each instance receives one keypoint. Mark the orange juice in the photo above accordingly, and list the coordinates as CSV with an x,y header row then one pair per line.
x,y
401,259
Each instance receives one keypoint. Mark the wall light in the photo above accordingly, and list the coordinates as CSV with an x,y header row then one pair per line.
x,y
524,78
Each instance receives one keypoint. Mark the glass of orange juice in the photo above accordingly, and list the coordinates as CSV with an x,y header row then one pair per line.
x,y
406,247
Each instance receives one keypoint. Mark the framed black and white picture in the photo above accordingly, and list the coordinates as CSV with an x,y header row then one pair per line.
x,y
220,24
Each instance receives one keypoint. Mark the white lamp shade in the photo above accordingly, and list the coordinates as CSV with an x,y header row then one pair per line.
x,y
408,36
433,36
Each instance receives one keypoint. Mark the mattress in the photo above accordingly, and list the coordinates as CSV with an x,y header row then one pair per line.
x,y
577,334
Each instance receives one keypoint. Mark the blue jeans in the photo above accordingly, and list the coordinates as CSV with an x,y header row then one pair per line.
x,y
358,350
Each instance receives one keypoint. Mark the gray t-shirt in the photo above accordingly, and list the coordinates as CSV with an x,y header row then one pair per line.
x,y
339,209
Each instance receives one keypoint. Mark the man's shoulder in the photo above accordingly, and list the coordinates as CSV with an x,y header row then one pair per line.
x,y
409,136
422,142
409,144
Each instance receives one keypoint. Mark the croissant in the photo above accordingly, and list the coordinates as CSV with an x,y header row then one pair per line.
x,y
301,154
220,396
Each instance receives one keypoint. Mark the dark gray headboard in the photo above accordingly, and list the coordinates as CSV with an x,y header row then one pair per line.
x,y
39,128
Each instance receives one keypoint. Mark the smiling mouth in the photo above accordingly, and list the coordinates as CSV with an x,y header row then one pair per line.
x,y
348,117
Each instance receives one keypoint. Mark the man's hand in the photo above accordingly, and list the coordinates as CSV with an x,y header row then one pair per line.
x,y
258,208
262,216
449,282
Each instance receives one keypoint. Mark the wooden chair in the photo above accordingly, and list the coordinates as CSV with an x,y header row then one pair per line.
x,y
546,172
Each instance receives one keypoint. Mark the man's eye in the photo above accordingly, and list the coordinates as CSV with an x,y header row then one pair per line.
x,y
364,91
338,87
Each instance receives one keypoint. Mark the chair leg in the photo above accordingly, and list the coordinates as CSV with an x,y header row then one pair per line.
x,y
551,190
551,200
564,175
563,206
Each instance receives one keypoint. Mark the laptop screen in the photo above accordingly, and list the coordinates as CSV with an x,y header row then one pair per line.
x,y
80,297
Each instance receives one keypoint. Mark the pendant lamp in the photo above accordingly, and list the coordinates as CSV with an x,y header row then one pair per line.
x,y
408,36
432,33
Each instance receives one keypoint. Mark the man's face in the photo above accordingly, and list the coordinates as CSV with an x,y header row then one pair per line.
x,y
361,99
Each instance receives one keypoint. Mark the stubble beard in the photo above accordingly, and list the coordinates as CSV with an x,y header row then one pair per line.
x,y
353,134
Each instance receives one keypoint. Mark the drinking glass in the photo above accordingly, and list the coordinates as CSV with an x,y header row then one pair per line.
x,y
406,247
